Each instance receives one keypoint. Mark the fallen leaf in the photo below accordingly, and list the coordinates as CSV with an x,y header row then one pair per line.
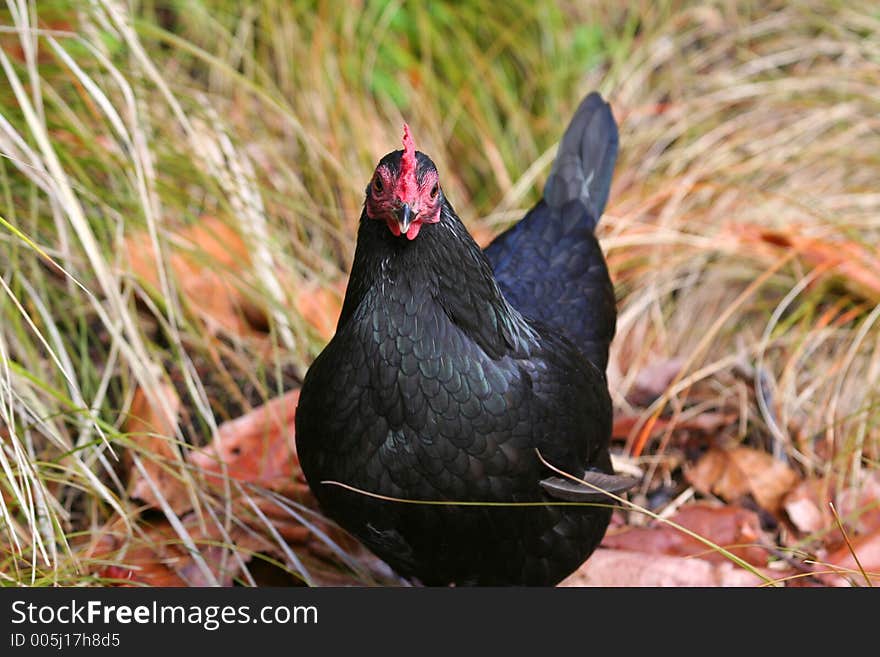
x,y
320,306
733,473
157,557
293,532
867,549
861,503
733,528
152,427
803,508
652,381
209,243
207,260
620,568
258,448
807,506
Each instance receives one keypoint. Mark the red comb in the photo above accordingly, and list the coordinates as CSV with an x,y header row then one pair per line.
x,y
408,187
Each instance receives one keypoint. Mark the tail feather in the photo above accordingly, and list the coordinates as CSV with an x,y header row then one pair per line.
x,y
585,161
550,265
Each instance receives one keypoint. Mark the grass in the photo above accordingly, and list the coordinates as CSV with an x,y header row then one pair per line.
x,y
742,227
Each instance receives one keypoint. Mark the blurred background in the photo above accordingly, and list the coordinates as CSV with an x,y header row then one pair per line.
x,y
180,184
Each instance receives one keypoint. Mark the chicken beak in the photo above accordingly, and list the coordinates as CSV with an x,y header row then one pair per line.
x,y
404,217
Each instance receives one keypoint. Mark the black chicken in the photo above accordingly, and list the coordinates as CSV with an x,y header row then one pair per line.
x,y
445,380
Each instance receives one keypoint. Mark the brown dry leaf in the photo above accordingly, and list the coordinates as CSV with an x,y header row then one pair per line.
x,y
206,260
152,428
863,503
258,447
807,505
627,568
320,306
652,381
158,558
732,473
287,527
803,506
867,549
733,528
141,565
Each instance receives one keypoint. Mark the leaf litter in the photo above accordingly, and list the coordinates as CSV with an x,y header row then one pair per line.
x,y
739,497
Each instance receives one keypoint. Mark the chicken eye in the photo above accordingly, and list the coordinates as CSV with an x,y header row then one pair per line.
x,y
435,190
378,188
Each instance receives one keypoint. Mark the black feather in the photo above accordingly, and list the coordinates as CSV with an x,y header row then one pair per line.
x,y
550,265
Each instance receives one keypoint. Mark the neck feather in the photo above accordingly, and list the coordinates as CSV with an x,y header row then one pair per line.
x,y
445,265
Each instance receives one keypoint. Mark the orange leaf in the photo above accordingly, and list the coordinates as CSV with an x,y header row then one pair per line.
x,y
733,528
320,306
862,502
805,508
627,568
157,557
740,471
258,447
152,428
867,549
652,381
207,260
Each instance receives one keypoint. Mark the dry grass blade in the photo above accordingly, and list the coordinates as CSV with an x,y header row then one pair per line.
x,y
849,545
